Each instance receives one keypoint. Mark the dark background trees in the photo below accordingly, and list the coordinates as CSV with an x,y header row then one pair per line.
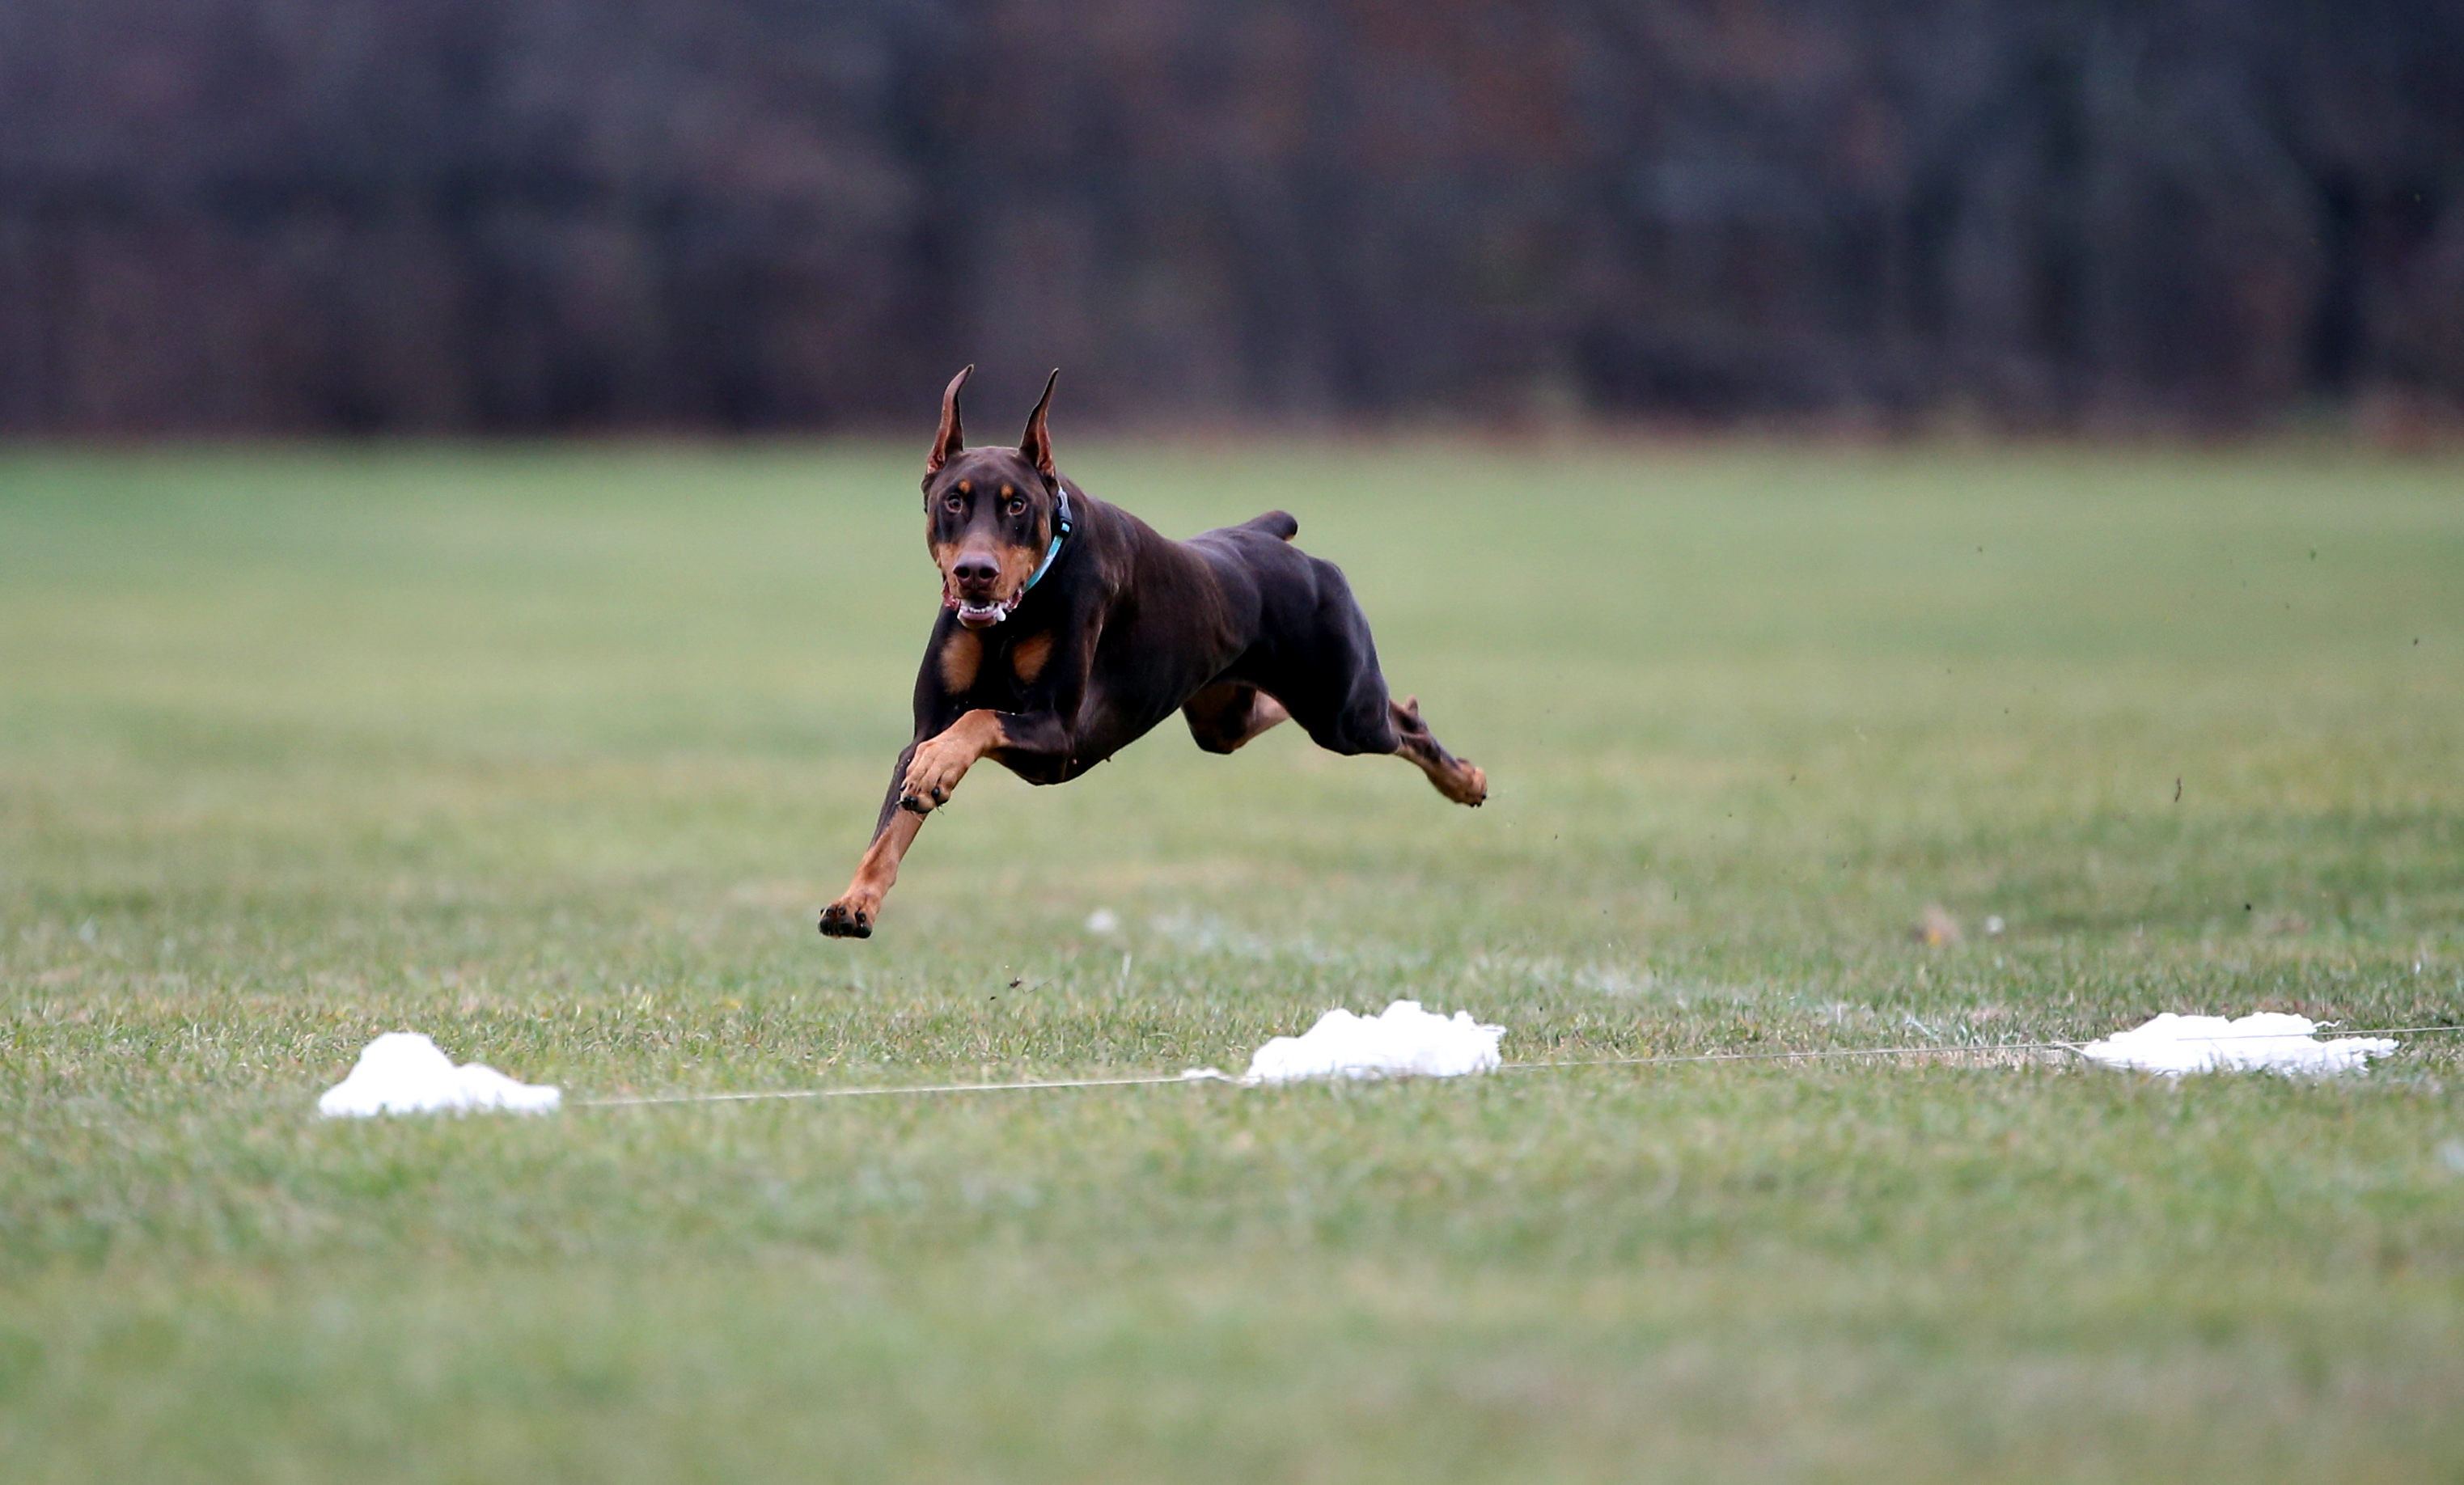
x,y
416,215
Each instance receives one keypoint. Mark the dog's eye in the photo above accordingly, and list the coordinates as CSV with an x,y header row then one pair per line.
x,y
1018,506
953,504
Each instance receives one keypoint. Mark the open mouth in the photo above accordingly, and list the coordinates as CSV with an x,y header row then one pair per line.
x,y
982,614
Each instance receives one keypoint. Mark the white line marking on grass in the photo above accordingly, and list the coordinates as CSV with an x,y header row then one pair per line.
x,y
1217,1074
1193,1075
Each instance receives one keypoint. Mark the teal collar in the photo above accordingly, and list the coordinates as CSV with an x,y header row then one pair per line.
x,y
1061,528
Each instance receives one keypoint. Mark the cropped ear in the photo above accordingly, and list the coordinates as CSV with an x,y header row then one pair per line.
x,y
1035,444
951,439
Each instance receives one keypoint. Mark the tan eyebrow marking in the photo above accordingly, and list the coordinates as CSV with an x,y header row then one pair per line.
x,y
966,487
1008,491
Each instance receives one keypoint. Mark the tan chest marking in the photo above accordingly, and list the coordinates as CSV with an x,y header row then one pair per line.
x,y
960,659
1030,656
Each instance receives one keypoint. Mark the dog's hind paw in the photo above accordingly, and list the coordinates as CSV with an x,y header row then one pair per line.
x,y
1466,784
843,920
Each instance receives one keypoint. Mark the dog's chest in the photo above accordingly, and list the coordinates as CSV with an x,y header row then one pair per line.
x,y
969,665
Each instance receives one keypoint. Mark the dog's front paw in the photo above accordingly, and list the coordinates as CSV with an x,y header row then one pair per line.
x,y
849,917
932,775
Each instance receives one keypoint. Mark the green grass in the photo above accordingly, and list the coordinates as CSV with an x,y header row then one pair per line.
x,y
553,752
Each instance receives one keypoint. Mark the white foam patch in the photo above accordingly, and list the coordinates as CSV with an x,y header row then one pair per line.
x,y
1404,1041
402,1072
2268,1041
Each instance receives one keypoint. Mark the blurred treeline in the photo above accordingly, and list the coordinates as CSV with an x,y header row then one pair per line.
x,y
568,214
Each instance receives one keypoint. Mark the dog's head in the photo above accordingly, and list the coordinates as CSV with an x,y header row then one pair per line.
x,y
989,514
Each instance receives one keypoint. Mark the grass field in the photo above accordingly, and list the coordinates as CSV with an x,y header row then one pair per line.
x,y
553,753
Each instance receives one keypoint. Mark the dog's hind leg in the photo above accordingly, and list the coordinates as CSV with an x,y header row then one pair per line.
x,y
1324,667
1462,782
1228,713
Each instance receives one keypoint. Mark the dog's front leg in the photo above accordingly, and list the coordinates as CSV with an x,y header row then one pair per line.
x,y
859,907
940,761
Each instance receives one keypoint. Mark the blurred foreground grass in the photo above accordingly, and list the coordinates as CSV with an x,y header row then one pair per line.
x,y
553,752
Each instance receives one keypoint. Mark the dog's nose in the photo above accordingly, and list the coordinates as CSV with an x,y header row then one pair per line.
x,y
975,572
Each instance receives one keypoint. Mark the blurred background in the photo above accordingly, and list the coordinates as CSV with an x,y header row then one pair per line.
x,y
458,216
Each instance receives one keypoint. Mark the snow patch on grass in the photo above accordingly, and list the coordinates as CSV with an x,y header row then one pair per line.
x,y
402,1072
1404,1041
2268,1040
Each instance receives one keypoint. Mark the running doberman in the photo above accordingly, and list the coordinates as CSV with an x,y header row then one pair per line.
x,y
1070,628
